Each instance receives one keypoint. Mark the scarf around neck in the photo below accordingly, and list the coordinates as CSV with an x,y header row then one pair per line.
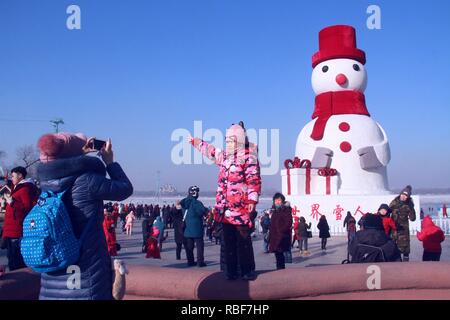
x,y
335,103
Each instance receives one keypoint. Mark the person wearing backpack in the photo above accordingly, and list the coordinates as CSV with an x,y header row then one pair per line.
x,y
371,244
402,212
65,166
18,204
194,213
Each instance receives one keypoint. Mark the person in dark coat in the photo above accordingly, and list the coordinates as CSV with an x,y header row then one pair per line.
x,y
171,211
193,217
156,212
280,229
302,234
146,230
177,218
65,167
371,244
324,231
123,216
217,231
350,225
166,216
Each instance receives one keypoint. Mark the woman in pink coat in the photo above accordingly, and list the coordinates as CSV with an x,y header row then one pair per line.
x,y
129,222
239,187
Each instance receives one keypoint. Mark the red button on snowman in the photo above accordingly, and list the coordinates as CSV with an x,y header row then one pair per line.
x,y
342,135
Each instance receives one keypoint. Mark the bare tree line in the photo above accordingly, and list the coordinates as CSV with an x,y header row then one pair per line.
x,y
26,156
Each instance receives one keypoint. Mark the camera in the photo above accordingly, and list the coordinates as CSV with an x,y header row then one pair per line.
x,y
97,144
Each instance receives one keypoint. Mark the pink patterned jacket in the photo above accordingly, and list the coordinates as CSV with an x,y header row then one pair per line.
x,y
239,182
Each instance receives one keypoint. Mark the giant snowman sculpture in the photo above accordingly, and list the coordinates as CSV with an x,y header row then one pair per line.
x,y
341,156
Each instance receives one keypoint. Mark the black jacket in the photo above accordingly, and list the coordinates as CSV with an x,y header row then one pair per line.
x,y
374,238
177,219
85,180
324,229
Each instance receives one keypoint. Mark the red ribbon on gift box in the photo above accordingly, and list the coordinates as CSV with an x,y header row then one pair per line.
x,y
296,163
328,173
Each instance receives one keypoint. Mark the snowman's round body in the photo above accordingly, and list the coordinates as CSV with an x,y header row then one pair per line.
x,y
363,131
354,144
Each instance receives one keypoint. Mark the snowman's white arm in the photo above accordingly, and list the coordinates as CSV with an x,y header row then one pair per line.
x,y
382,149
377,155
307,151
319,156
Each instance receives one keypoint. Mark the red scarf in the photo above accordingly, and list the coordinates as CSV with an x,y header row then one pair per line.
x,y
338,102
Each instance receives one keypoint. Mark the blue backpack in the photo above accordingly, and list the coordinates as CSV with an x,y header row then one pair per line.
x,y
49,243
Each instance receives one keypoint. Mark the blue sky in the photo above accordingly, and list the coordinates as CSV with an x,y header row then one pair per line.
x,y
137,70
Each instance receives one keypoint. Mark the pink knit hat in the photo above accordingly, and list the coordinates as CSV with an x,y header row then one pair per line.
x,y
54,146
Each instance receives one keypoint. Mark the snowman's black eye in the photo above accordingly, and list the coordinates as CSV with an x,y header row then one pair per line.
x,y
356,67
324,69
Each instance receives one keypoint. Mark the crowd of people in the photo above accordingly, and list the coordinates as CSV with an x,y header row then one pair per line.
x,y
79,182
383,236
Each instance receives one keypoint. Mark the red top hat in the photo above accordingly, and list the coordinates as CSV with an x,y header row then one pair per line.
x,y
338,42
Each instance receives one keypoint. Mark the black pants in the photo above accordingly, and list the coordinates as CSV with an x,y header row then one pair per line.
x,y
279,256
178,250
15,259
324,243
238,247
431,256
189,247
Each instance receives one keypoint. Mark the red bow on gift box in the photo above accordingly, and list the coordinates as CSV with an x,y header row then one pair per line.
x,y
296,164
327,172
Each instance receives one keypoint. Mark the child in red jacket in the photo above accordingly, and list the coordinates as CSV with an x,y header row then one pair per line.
x,y
110,231
388,223
431,236
152,244
153,250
